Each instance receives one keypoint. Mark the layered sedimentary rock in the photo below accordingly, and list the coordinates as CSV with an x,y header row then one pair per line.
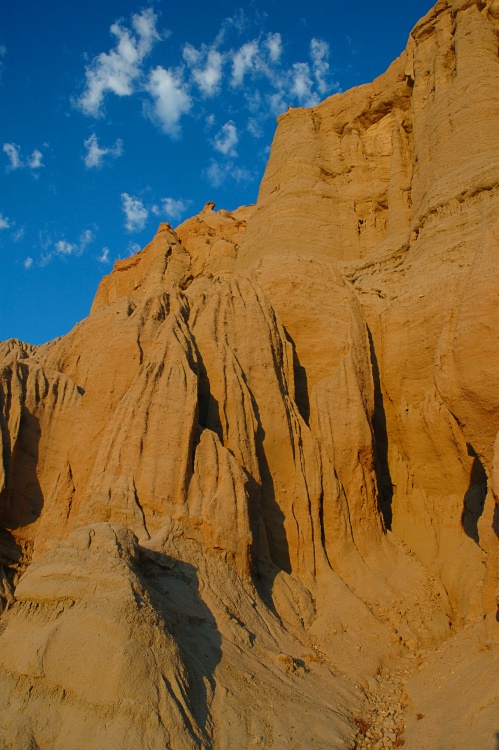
x,y
265,467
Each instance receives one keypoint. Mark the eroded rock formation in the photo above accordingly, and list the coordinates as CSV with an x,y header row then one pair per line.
x,y
265,467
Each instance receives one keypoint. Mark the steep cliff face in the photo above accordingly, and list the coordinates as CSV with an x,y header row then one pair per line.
x,y
265,467
397,180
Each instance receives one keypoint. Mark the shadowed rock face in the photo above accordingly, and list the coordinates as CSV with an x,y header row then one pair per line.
x,y
266,465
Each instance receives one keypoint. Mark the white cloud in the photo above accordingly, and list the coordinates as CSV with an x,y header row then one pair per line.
x,y
104,256
28,263
319,54
62,248
4,222
230,64
171,99
227,139
35,160
302,87
13,153
208,78
86,237
273,44
301,83
218,174
243,61
119,70
135,212
206,68
191,55
65,248
174,209
95,154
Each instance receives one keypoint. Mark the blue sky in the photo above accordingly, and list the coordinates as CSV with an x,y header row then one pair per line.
x,y
116,116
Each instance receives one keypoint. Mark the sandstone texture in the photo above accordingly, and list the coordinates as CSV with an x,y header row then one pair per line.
x,y
253,499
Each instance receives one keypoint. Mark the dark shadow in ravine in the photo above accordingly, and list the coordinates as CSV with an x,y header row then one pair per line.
x,y
174,590
495,526
270,550
385,485
271,513
21,500
474,499
497,740
301,384
262,497
208,408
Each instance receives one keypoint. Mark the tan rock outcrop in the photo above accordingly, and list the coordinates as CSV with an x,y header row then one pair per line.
x,y
82,635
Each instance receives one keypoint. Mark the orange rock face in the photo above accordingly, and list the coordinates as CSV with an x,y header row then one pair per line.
x,y
266,466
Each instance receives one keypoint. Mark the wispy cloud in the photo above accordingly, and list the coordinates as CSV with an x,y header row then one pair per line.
x,y
319,54
136,214
95,156
255,70
3,53
206,66
269,85
4,222
220,173
133,247
170,97
273,43
227,139
119,70
35,160
174,209
302,85
13,153
243,61
64,248
60,248
104,256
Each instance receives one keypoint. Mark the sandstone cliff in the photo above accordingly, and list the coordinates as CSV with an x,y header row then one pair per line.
x,y
259,484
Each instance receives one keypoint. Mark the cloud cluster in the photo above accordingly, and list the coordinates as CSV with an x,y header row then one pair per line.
x,y
171,208
4,222
60,248
254,70
118,71
205,66
16,161
137,213
95,155
217,173
226,139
